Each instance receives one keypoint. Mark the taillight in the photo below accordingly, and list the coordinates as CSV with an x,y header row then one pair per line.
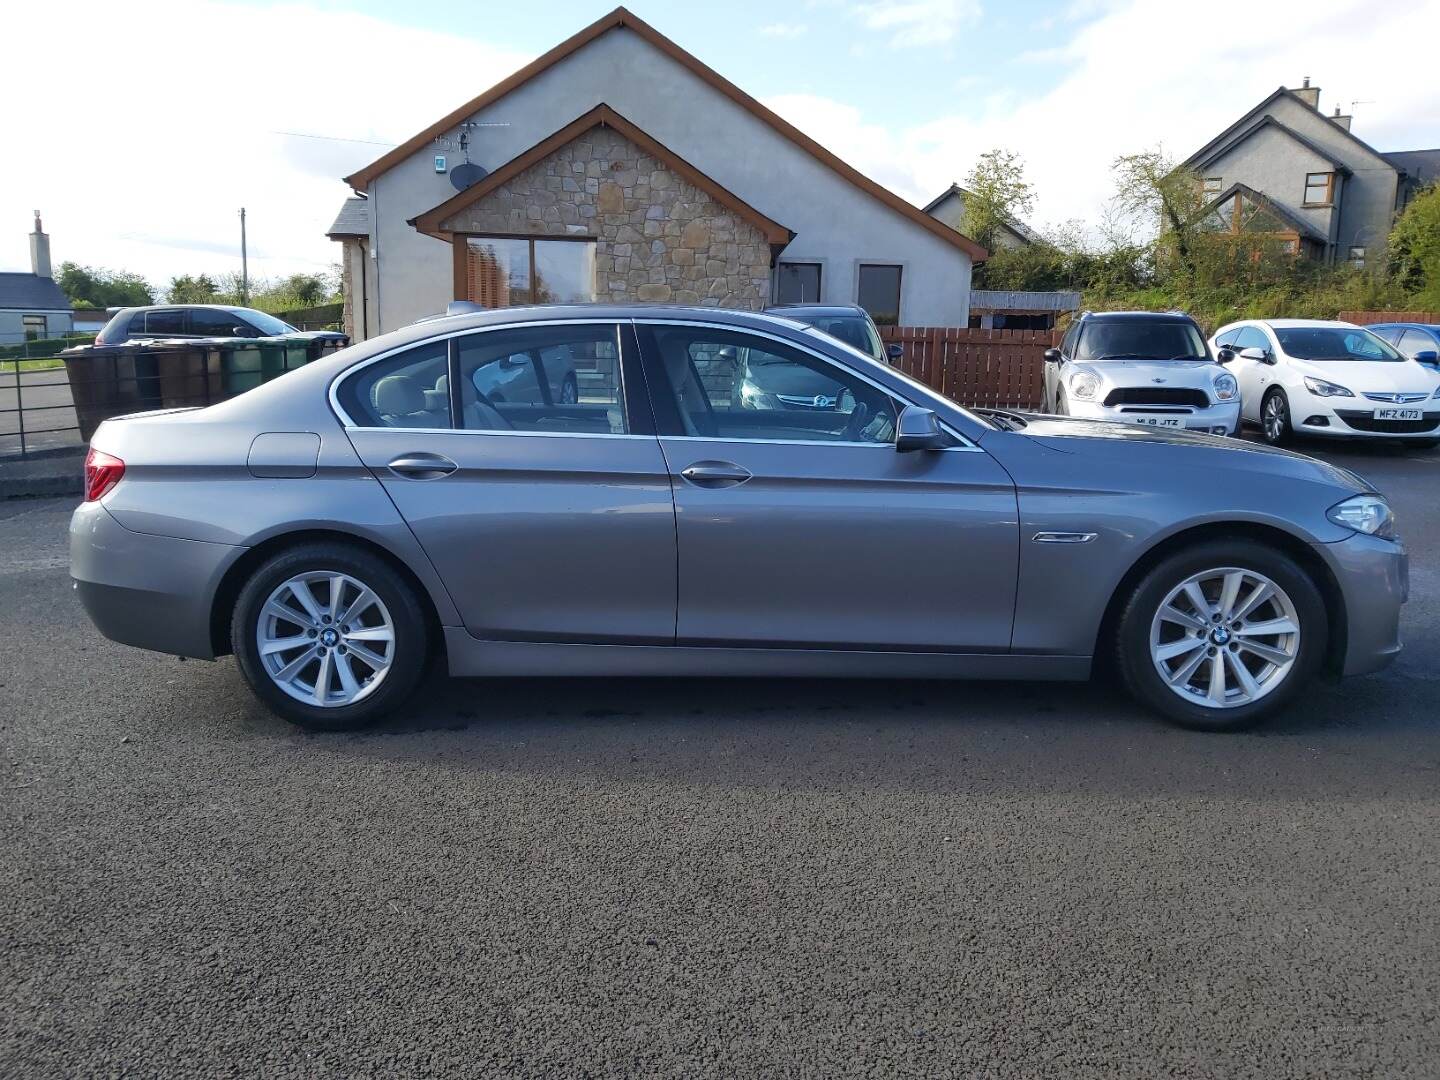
x,y
102,472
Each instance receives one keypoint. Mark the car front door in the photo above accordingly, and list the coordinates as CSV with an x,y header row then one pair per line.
x,y
1252,376
800,526
547,521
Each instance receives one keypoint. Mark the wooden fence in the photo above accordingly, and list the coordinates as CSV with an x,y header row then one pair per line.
x,y
1366,318
996,368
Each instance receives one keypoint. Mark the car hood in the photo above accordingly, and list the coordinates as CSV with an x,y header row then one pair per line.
x,y
1121,443
1371,376
1185,374
789,379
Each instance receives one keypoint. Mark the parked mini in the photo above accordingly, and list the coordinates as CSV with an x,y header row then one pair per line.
x,y
335,542
1140,367
1329,379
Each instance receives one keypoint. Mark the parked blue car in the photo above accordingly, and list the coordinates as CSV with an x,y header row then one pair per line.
x,y
1419,341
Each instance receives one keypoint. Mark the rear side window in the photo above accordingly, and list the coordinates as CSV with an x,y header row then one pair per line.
x,y
159,323
564,378
408,390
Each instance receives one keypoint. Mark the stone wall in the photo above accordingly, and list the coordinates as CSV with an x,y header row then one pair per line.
x,y
658,237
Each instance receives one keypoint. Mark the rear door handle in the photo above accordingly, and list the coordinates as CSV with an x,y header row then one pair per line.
x,y
715,474
420,466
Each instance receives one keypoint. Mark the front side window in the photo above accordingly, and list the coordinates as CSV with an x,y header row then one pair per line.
x,y
212,323
402,391
559,379
1251,337
1319,188
797,283
1133,339
879,293
268,324
728,385
504,272
1322,343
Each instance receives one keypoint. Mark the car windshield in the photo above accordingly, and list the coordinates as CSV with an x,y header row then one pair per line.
x,y
853,330
268,324
1136,339
1334,343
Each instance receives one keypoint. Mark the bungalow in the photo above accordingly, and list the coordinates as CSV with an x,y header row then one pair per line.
x,y
31,305
618,167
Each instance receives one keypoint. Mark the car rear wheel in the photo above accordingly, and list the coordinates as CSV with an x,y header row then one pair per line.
x,y
1221,635
1275,417
329,636
569,391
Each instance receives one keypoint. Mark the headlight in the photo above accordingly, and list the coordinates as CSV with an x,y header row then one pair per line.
x,y
1224,386
1084,385
1368,514
1321,388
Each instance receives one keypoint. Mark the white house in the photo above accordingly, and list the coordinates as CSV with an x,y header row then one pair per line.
x,y
31,305
617,166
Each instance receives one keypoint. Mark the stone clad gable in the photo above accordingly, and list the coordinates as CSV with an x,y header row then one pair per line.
x,y
658,237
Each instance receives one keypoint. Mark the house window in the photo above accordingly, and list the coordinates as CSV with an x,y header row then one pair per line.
x,y
1357,258
503,271
879,292
1319,188
797,283
34,326
1210,187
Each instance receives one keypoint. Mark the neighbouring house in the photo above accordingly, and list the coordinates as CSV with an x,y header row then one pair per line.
x,y
619,167
31,305
90,320
949,207
1287,172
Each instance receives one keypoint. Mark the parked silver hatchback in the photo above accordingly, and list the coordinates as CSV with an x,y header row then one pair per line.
x,y
341,526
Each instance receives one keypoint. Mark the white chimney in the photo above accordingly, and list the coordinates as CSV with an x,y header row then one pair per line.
x,y
1341,121
1309,94
39,250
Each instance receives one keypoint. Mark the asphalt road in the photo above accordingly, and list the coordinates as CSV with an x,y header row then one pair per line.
x,y
709,879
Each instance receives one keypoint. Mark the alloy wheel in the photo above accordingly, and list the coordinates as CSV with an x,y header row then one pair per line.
x,y
1225,637
1275,418
325,638
569,392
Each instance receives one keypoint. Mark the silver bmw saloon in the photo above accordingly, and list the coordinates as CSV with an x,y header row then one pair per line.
x,y
343,526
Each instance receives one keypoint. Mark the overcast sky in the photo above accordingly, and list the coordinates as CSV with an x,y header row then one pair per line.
x,y
141,128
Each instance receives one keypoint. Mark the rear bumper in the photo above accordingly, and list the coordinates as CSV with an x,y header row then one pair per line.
x,y
153,592
1374,579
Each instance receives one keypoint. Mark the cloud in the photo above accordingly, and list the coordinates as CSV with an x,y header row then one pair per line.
x,y
917,22
784,30
146,152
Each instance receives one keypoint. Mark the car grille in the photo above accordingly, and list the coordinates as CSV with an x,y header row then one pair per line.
x,y
1398,399
1363,421
1159,395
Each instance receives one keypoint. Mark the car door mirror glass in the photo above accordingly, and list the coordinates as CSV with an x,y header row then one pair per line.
x,y
919,429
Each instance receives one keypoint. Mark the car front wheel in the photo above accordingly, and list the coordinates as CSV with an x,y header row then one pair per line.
x,y
1220,636
329,636
1275,417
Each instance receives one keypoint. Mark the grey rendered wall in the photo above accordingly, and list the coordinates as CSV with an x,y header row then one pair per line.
x,y
12,325
836,224
951,211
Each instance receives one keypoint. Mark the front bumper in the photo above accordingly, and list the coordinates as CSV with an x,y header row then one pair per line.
x,y
153,592
1218,419
1355,418
1374,580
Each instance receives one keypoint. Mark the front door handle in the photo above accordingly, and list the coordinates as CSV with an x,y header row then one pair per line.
x,y
714,474
422,466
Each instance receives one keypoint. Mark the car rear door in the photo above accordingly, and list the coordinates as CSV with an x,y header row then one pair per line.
x,y
546,521
800,526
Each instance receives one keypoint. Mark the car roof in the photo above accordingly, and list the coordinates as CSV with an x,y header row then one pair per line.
x,y
232,308
817,309
1298,324
1136,316
1404,325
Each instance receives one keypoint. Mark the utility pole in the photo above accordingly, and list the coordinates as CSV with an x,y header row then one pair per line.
x,y
244,263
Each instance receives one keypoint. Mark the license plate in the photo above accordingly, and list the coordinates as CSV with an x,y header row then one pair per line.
x,y
1158,421
1399,414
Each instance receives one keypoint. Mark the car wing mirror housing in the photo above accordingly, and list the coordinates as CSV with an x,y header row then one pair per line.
x,y
1427,356
1256,354
1052,356
1224,356
919,429
894,352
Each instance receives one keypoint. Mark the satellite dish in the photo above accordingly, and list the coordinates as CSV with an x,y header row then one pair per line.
x,y
462,176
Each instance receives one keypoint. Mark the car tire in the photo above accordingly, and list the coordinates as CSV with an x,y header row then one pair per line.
x,y
1145,641
1275,423
570,391
1062,407
390,628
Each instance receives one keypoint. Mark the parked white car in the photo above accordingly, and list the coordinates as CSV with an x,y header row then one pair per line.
x,y
1311,377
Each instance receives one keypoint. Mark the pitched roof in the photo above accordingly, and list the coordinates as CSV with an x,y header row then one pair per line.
x,y
1015,225
1226,136
1270,206
602,115
1270,121
31,292
1423,165
353,219
620,17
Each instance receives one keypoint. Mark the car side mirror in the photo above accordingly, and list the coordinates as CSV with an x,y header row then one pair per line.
x,y
1052,356
242,331
894,352
1427,356
1224,355
1256,354
919,429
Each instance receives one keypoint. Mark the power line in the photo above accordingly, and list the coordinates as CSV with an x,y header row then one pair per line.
x,y
330,138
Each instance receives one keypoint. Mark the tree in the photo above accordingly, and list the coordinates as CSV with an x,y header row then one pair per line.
x,y
92,287
1150,185
996,195
1415,248
185,289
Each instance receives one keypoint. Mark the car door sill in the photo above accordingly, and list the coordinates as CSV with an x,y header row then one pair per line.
x,y
472,657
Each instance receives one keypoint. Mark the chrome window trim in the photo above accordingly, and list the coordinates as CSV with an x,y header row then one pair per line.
x,y
504,434
966,443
